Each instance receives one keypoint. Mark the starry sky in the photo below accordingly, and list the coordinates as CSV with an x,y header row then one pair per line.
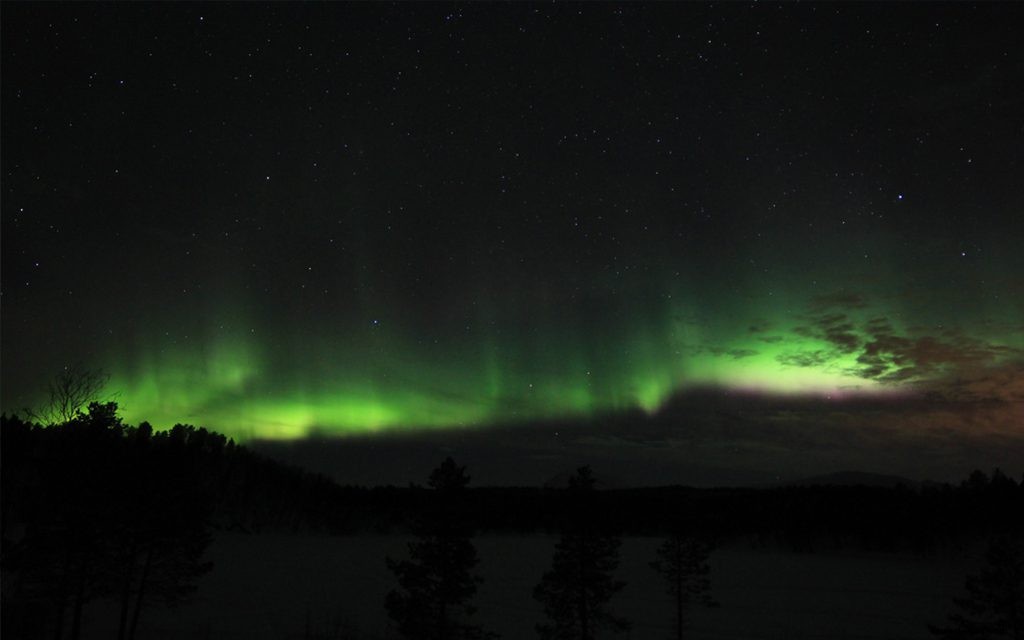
x,y
702,243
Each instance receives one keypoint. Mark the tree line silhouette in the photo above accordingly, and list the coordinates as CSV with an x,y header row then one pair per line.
x,y
103,511
437,583
95,508
800,518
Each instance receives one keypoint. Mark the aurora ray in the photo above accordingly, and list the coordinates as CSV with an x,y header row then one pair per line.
x,y
368,220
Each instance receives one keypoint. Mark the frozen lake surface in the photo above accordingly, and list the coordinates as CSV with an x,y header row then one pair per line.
x,y
274,586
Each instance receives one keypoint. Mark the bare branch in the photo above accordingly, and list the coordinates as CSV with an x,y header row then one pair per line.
x,y
70,392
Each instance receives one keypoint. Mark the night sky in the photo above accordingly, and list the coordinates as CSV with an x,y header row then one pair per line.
x,y
681,242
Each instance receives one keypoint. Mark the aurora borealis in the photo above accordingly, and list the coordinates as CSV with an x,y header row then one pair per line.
x,y
365,221
374,378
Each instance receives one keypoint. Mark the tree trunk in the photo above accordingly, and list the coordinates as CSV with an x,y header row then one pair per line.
x,y
58,629
142,593
679,589
62,597
126,595
442,623
442,604
582,604
76,619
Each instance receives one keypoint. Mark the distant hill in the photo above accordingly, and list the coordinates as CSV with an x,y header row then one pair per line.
x,y
853,479
601,481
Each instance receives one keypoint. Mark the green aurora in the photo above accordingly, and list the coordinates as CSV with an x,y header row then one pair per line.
x,y
367,219
380,377
363,354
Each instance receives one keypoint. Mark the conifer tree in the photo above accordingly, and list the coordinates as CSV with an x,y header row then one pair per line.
x,y
683,563
576,590
437,581
994,607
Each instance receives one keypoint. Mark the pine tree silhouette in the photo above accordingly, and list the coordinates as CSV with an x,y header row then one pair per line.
x,y
576,590
437,581
683,563
994,607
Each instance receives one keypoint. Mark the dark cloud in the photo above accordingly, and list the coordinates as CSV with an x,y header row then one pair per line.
x,y
831,319
835,328
843,337
892,358
878,325
1005,383
760,326
838,300
735,354
804,358
926,357
738,354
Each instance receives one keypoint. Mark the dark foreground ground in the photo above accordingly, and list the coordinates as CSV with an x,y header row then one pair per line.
x,y
273,586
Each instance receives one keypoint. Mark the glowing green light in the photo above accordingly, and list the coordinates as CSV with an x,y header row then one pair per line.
x,y
385,376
